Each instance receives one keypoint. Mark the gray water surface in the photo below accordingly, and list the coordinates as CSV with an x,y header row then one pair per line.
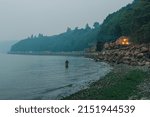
x,y
45,77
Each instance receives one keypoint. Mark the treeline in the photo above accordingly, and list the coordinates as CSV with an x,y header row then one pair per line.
x,y
132,21
71,40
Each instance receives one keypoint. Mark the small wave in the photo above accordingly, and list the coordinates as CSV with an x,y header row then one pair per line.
x,y
54,89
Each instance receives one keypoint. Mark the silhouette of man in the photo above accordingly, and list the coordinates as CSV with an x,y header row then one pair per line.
x,y
66,63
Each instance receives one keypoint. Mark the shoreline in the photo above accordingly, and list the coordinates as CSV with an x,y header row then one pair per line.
x,y
46,53
124,82
136,87
49,53
91,76
86,84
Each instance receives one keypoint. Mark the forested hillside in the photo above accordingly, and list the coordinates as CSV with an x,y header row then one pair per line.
x,y
132,21
71,40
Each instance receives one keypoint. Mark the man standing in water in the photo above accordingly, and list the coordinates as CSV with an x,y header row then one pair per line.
x,y
66,63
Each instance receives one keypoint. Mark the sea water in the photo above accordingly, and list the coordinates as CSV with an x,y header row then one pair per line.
x,y
45,77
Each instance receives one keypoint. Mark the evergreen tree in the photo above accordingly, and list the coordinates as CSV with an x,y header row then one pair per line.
x,y
87,27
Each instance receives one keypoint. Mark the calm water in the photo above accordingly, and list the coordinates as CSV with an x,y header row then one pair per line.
x,y
45,77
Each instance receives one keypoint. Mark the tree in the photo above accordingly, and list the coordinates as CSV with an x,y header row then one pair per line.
x,y
96,25
68,29
76,28
40,35
32,36
87,27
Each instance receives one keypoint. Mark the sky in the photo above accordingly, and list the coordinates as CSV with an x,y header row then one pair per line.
x,y
22,18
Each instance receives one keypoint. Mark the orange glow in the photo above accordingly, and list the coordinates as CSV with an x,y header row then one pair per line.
x,y
125,42
124,39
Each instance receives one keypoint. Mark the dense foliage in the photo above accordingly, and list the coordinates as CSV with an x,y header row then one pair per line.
x,y
71,40
132,21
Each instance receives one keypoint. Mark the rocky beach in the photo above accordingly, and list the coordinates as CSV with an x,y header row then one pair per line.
x,y
134,55
129,79
124,82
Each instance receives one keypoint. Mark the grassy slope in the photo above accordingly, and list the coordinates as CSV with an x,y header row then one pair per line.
x,y
120,84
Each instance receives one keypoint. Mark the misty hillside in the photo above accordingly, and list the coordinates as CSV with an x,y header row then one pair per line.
x,y
71,40
132,20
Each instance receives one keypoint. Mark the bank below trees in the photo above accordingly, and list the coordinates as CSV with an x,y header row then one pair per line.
x,y
135,55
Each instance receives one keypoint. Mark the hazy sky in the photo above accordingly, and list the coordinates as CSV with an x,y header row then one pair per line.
x,y
21,18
